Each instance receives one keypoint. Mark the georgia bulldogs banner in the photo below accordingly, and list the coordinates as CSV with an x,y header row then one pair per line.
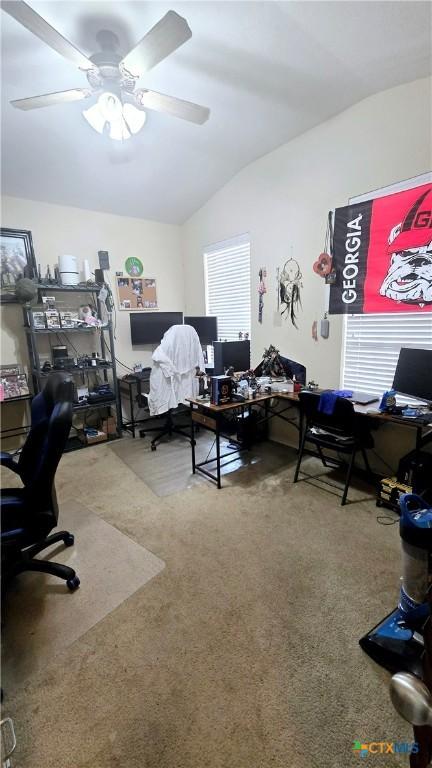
x,y
382,254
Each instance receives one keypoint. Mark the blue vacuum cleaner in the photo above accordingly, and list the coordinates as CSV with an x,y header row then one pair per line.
x,y
396,643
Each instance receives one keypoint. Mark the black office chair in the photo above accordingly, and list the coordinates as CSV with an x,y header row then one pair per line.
x,y
42,407
344,432
28,514
167,422
169,425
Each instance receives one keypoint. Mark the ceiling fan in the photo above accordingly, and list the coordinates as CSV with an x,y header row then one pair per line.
x,y
113,78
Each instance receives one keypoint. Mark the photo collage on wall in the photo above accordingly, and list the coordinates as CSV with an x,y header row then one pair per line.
x,y
135,293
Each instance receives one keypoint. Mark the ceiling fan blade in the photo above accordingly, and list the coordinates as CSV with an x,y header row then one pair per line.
x,y
164,38
172,106
49,99
31,20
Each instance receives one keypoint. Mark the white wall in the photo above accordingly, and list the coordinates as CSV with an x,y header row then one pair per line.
x,y
60,229
283,198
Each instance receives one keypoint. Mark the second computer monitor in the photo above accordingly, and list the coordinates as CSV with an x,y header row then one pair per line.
x,y
231,354
205,326
149,327
413,375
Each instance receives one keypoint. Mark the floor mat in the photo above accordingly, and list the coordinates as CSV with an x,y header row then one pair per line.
x,y
168,470
42,617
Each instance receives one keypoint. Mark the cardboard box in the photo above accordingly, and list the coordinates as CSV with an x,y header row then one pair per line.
x,y
101,437
109,425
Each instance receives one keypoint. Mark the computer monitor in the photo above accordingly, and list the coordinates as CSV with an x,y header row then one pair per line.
x,y
413,375
227,354
149,327
206,327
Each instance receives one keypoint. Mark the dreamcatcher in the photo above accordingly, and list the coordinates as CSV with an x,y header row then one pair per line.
x,y
290,283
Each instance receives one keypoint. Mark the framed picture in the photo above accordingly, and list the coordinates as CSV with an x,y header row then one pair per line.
x,y
10,370
17,260
136,293
13,386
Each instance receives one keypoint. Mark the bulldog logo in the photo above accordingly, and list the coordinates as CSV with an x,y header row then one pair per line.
x,y
409,276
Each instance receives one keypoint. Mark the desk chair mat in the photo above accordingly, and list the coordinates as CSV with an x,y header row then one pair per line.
x,y
42,618
168,470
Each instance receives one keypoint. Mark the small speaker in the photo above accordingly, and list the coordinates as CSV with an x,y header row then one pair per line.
x,y
99,276
103,259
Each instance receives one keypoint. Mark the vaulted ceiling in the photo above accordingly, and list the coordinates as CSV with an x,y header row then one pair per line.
x,y
267,70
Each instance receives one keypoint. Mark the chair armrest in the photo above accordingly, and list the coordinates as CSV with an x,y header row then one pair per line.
x,y
7,460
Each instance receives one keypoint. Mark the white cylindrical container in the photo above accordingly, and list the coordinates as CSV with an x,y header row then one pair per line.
x,y
68,268
86,271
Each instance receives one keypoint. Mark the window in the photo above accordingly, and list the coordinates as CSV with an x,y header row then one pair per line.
x,y
372,344
228,289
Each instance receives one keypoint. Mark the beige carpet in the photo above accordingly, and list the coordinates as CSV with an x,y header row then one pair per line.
x,y
168,469
42,617
242,653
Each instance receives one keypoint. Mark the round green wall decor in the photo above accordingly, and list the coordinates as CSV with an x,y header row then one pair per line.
x,y
134,266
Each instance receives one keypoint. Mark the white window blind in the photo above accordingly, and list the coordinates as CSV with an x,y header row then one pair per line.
x,y
228,288
372,344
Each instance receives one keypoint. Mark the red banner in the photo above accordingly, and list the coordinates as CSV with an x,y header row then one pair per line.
x,y
383,254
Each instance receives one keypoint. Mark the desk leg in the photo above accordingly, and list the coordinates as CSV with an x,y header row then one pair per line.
x,y
192,439
301,427
218,462
131,408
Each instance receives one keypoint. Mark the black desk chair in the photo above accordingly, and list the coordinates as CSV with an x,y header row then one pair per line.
x,y
344,432
42,407
169,425
28,514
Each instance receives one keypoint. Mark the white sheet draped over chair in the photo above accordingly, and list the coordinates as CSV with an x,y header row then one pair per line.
x,y
173,377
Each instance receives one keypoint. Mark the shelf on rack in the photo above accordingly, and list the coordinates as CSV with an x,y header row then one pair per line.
x,y
75,444
105,340
100,404
75,369
86,329
82,288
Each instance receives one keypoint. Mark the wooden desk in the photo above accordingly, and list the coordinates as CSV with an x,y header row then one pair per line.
x,y
215,419
212,418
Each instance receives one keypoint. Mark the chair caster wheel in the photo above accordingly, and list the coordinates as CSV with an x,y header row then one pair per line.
x,y
153,447
73,583
69,540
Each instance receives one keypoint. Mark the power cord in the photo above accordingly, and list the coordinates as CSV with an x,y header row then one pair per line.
x,y
387,520
116,358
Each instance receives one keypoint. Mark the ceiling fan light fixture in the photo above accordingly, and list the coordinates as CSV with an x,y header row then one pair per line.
x,y
94,118
118,130
134,118
123,119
